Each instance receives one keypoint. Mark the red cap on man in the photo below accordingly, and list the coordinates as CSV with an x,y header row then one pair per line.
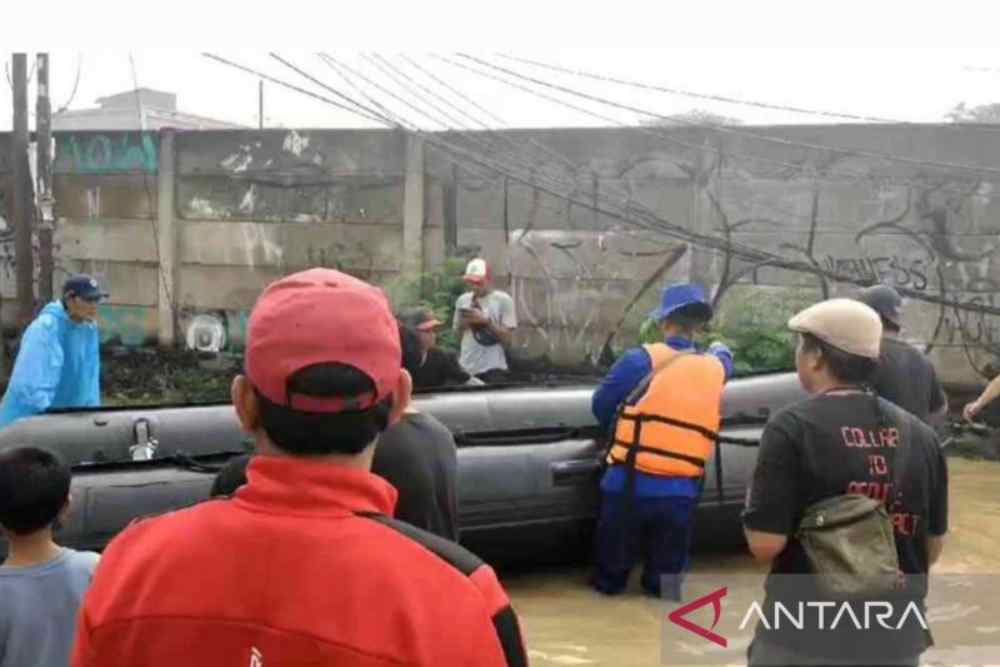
x,y
322,316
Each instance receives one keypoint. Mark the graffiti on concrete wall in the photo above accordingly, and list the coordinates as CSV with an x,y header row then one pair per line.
x,y
934,238
130,326
891,270
568,285
214,331
290,180
925,245
106,153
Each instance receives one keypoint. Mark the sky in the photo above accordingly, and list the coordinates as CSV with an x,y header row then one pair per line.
x,y
893,60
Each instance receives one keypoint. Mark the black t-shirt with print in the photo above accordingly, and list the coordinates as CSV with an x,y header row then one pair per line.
x,y
839,443
907,378
417,455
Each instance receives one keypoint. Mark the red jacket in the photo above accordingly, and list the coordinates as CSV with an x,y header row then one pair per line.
x,y
301,567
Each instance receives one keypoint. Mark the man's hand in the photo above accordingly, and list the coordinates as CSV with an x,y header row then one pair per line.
x,y
971,410
718,346
475,318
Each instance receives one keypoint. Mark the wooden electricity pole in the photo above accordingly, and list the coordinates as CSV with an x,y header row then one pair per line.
x,y
23,264
43,188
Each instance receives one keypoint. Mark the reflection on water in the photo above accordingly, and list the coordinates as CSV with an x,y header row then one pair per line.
x,y
565,623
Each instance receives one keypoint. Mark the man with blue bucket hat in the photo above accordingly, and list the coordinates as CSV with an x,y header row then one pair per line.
x,y
660,403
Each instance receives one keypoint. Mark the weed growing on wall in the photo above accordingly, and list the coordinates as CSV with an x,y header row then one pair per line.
x,y
437,290
753,323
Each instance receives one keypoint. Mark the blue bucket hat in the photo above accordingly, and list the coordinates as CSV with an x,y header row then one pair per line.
x,y
676,297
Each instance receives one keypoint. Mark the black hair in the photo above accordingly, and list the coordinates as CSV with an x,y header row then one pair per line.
x,y
846,367
890,325
690,317
317,434
412,352
34,488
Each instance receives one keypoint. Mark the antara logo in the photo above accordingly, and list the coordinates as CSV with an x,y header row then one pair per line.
x,y
715,599
844,613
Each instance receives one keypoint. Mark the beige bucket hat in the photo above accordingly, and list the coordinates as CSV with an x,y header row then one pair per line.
x,y
845,324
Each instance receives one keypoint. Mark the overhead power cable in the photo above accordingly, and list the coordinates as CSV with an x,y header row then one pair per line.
x,y
489,114
746,253
701,96
842,175
851,152
488,138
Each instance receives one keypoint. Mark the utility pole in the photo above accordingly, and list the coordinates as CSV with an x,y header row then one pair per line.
x,y
43,140
260,103
23,264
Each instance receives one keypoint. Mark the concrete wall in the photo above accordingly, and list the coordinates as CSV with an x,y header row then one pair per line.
x,y
574,272
187,240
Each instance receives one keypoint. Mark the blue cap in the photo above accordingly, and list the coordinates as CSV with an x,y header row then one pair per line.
x,y
676,297
85,287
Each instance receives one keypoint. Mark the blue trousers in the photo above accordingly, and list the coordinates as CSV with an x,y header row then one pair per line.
x,y
656,530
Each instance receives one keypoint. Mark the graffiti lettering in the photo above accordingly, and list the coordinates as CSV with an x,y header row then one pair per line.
x,y
897,271
107,153
971,328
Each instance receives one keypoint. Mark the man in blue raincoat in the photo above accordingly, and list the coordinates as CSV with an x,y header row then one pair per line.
x,y
59,362
648,502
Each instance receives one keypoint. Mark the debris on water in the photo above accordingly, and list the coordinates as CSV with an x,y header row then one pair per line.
x,y
142,376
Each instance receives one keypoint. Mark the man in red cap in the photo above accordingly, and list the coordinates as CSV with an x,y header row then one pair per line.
x,y
486,319
428,365
302,566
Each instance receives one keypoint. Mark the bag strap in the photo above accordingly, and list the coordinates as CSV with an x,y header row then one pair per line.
x,y
635,393
642,386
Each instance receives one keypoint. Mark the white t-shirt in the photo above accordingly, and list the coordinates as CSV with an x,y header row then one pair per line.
x,y
474,357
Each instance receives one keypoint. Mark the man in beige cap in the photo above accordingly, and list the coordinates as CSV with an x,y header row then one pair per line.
x,y
842,440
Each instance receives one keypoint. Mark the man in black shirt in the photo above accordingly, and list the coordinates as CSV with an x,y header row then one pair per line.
x,y
904,375
431,366
842,440
417,455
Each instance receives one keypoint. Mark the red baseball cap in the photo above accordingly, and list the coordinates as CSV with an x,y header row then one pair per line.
x,y
322,316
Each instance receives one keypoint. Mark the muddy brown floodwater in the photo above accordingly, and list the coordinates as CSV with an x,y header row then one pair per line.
x,y
566,624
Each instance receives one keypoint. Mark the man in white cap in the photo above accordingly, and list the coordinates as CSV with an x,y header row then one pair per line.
x,y
486,319
843,440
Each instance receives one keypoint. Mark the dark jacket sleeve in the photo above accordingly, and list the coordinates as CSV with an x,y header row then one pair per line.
x,y
623,377
453,371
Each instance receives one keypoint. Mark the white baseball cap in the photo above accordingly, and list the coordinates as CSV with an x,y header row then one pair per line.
x,y
477,271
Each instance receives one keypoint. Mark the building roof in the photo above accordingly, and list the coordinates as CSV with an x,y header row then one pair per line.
x,y
139,109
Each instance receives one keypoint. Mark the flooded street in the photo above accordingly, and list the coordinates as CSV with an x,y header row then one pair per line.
x,y
565,623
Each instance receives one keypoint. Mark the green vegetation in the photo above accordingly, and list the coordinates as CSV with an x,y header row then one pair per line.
x,y
160,377
437,290
753,324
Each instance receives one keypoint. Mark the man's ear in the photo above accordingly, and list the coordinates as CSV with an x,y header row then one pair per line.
x,y
63,516
402,395
245,403
816,360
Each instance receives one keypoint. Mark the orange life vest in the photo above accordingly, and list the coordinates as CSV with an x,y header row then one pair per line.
x,y
671,430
